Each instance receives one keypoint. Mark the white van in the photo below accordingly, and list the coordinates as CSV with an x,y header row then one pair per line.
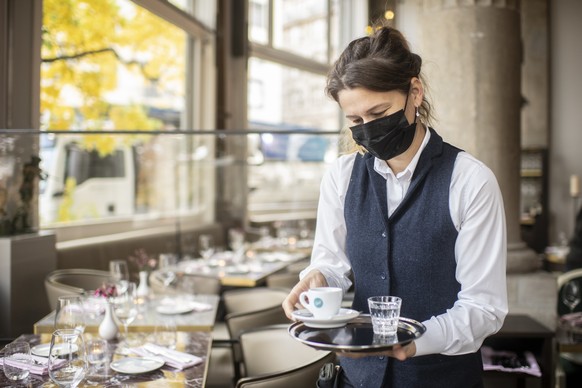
x,y
105,185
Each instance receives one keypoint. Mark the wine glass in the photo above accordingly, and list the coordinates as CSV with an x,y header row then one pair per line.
x,y
206,246
236,240
166,268
571,294
67,363
125,306
70,313
120,274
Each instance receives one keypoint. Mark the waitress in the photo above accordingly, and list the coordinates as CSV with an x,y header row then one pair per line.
x,y
407,214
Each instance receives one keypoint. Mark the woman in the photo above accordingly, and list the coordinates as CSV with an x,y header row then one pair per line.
x,y
411,216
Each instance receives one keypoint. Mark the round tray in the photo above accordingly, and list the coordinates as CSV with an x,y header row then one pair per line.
x,y
356,336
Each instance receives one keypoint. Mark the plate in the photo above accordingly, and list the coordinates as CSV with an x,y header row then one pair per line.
x,y
181,307
356,336
43,349
136,365
343,317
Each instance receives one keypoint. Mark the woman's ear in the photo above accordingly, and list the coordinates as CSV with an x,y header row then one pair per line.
x,y
417,91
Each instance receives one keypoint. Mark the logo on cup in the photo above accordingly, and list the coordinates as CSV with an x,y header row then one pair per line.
x,y
318,302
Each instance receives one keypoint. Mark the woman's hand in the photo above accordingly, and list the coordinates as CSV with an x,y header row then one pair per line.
x,y
311,280
398,352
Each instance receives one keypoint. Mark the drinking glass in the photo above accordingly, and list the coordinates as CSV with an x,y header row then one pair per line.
x,y
571,294
385,313
125,306
166,333
206,246
120,274
236,241
67,363
166,268
70,313
97,358
19,352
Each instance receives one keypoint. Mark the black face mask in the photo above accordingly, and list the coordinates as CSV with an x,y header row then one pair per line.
x,y
386,137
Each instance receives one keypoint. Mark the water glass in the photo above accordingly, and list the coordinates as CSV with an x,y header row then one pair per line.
x,y
70,313
167,268
385,312
97,358
206,246
67,363
19,352
166,334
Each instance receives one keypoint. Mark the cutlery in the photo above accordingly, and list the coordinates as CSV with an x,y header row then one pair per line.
x,y
160,352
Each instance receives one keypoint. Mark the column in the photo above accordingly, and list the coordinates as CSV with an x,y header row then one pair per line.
x,y
472,59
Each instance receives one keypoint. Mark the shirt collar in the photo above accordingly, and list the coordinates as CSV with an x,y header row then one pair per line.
x,y
382,168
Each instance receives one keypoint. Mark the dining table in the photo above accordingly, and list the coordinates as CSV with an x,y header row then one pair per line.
x,y
250,269
190,313
194,343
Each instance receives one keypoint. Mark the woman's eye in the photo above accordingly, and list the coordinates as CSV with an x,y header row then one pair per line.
x,y
357,121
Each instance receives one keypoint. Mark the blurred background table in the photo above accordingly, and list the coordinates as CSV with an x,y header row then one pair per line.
x,y
148,318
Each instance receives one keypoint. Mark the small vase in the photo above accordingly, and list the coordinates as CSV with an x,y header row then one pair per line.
x,y
108,328
143,288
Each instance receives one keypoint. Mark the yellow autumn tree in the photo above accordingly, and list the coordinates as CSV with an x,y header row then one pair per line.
x,y
88,47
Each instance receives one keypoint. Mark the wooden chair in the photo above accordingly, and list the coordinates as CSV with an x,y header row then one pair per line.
x,y
73,281
273,359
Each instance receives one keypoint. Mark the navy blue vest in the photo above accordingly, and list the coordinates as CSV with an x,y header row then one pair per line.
x,y
411,254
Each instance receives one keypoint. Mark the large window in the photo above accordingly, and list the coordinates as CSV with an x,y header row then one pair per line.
x,y
112,67
292,47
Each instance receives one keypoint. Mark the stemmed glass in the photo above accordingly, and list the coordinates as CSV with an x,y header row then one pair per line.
x,y
120,274
236,240
125,306
67,364
166,268
206,246
571,294
70,313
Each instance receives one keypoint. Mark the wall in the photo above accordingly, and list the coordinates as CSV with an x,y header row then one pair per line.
x,y
565,108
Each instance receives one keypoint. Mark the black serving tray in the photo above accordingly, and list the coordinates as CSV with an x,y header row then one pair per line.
x,y
356,336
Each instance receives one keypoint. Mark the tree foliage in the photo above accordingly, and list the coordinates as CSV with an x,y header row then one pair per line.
x,y
94,52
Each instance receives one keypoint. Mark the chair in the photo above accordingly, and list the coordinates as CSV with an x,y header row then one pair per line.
x,y
572,361
245,309
73,281
273,359
283,280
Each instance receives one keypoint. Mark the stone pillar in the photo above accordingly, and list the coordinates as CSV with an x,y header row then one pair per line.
x,y
472,58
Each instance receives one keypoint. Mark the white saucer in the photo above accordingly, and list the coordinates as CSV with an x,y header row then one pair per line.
x,y
43,349
136,365
343,317
181,307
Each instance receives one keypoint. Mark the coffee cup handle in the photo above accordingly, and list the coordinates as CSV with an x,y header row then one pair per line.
x,y
304,301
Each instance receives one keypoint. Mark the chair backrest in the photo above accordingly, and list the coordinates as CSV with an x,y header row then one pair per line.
x,y
240,322
273,359
573,275
186,283
252,299
286,280
73,281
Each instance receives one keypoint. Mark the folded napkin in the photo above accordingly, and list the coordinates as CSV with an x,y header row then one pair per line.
x,y
39,365
173,358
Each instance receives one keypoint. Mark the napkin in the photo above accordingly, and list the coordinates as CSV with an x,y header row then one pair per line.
x,y
39,365
573,319
185,303
173,358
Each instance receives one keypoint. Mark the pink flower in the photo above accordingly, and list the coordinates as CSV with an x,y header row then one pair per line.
x,y
142,260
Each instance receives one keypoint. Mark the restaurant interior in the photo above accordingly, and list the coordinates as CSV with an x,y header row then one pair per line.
x,y
176,148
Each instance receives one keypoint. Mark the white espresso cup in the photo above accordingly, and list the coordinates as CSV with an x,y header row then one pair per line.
x,y
322,302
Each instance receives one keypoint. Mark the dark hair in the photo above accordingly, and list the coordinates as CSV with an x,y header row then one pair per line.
x,y
380,62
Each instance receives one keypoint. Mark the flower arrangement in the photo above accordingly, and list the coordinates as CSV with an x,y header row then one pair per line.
x,y
142,260
106,291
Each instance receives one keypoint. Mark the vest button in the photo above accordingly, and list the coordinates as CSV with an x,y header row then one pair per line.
x,y
383,234
381,358
383,276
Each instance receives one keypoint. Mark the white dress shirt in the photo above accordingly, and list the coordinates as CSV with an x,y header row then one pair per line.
x,y
476,208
